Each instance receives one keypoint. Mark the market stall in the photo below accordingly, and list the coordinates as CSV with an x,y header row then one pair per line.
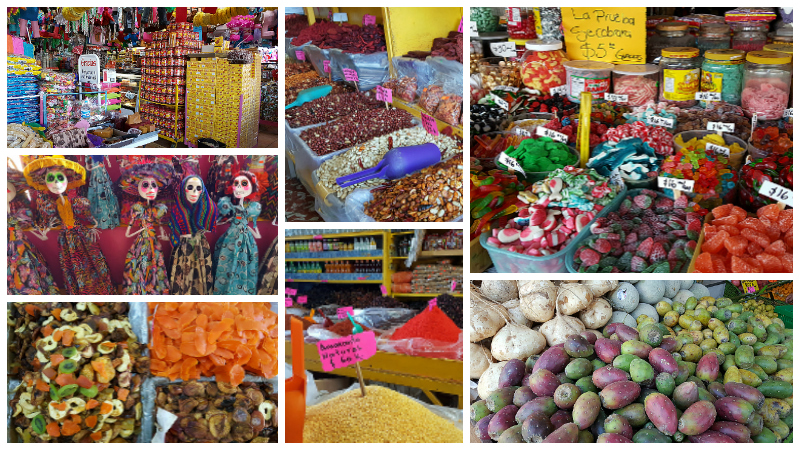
x,y
150,225
649,145
115,372
366,85
402,290
650,361
129,77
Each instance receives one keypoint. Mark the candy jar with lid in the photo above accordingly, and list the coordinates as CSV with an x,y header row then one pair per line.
x,y
723,70
668,34
749,36
680,76
713,36
588,76
542,66
484,19
767,84
638,81
782,35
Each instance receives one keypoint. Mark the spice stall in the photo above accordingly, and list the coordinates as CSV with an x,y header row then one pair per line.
x,y
395,77
641,149
401,286
117,77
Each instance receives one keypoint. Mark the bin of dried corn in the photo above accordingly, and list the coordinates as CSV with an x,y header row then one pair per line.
x,y
382,416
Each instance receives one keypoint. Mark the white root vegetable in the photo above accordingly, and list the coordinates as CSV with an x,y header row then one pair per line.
x,y
486,317
537,299
479,360
516,342
499,291
597,314
557,329
516,313
600,288
490,379
573,297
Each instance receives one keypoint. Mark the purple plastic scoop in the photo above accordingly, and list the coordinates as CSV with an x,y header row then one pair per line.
x,y
397,163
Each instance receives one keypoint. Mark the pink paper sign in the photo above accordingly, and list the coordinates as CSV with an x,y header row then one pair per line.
x,y
431,303
341,313
350,75
369,20
383,94
361,278
288,302
318,236
461,26
302,299
383,290
326,66
289,280
346,351
429,123
290,291
301,55
452,286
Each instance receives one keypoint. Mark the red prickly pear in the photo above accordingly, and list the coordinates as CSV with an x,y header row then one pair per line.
x,y
619,394
567,434
708,368
662,361
697,418
661,411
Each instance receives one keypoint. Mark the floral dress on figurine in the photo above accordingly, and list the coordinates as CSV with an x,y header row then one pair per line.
x,y
191,216
145,271
236,252
103,201
268,272
82,263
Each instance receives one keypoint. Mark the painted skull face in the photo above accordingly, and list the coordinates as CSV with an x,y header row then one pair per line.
x,y
12,191
56,182
242,187
193,190
148,188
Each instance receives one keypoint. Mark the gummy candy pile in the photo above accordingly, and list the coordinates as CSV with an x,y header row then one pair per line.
x,y
541,155
776,168
570,128
773,139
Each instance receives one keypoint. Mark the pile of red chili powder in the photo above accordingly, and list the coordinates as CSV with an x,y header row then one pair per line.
x,y
430,324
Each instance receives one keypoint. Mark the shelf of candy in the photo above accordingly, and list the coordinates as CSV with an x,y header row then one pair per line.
x,y
164,118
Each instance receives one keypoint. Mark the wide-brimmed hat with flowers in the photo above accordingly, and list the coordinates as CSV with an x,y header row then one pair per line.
x,y
157,168
36,172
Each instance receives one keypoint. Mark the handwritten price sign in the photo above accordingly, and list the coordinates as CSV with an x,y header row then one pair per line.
x,y
503,49
619,98
290,291
511,163
431,303
303,299
658,121
429,123
341,313
369,19
718,149
613,35
346,351
350,75
383,94
552,134
522,132
499,101
326,66
721,127
288,302
750,286
301,55
777,193
511,89
708,96
788,112
678,184
561,90
473,28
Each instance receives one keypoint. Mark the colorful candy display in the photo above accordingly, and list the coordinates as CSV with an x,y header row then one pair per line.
x,y
773,139
634,158
543,65
775,168
541,155
765,97
658,138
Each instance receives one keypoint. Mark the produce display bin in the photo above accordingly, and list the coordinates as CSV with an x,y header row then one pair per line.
x,y
510,262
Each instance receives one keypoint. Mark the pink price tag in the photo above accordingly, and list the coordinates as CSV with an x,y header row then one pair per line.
x,y
326,66
369,19
323,281
383,290
290,291
346,351
302,299
453,286
289,280
318,236
350,75
461,26
383,94
361,278
301,55
431,303
341,313
288,302
429,123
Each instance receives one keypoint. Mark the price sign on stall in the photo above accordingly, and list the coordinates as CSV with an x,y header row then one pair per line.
x,y
369,19
429,123
350,75
499,101
708,96
503,49
432,303
659,121
326,66
750,286
288,302
473,28
89,69
777,193
301,55
552,134
561,90
346,351
615,177
341,313
303,299
619,98
678,184
511,163
340,17
522,132
610,34
788,112
290,291
718,150
721,127
383,94
511,89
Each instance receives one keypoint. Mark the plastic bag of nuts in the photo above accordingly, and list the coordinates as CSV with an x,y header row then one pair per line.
x,y
431,95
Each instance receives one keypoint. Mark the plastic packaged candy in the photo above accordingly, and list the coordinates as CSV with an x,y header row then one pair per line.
x,y
429,100
680,76
449,109
588,76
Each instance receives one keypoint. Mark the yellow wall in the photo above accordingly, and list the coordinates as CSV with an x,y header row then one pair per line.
x,y
409,29
355,15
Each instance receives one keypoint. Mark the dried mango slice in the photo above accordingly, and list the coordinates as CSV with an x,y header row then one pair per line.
x,y
173,354
188,369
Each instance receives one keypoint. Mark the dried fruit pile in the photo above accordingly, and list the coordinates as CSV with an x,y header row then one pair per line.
x,y
221,339
349,38
81,372
220,412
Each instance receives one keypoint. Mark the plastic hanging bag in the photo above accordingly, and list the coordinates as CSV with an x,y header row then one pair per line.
x,y
408,69
425,348
372,69
449,75
316,56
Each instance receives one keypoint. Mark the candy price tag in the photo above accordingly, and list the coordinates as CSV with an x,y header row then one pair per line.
x,y
753,123
511,89
290,291
777,193
511,163
615,177
326,66
346,351
429,123
461,26
718,149
383,94
303,299
473,28
301,55
289,280
369,19
708,96
499,101
452,286
788,112
721,126
288,302
562,90
522,132
504,49
341,313
340,17
318,236
552,134
431,303
676,183
619,98
350,75
659,121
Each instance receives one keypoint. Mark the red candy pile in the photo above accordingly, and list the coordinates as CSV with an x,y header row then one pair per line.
x,y
596,131
348,38
736,243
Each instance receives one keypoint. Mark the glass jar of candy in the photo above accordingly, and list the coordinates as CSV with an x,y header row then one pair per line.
x,y
588,76
749,36
713,36
680,76
521,23
669,34
767,84
723,70
638,81
542,65
484,19
780,48
782,35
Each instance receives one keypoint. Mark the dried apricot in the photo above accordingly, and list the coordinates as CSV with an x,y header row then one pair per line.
x,y
53,430
91,421
42,386
67,338
69,428
91,404
106,408
85,382
122,394
65,379
96,436
55,359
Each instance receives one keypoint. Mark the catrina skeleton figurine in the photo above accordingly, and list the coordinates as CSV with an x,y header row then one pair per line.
x,y
236,252
27,269
82,263
145,272
192,215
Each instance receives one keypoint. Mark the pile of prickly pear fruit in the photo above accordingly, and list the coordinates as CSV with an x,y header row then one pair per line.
x,y
707,372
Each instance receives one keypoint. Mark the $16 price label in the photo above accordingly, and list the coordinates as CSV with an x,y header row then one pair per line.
x,y
777,193
678,184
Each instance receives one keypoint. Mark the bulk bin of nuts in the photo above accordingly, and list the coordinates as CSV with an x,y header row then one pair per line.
x,y
698,134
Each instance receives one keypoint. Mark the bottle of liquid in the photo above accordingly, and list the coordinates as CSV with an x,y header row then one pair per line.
x,y
325,246
372,245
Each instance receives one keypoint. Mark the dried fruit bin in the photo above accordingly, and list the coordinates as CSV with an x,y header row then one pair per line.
x,y
569,261
304,159
510,262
